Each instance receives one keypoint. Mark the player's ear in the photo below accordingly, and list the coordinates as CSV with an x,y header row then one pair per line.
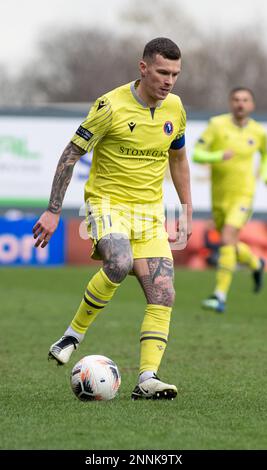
x,y
143,68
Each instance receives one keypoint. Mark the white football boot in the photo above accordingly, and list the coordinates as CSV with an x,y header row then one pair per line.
x,y
154,389
63,349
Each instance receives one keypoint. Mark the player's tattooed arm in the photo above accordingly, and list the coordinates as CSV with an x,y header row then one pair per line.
x,y
156,278
69,157
49,220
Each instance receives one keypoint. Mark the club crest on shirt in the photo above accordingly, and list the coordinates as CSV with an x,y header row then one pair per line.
x,y
251,142
168,127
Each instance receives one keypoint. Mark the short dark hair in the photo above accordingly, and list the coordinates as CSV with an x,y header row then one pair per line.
x,y
163,46
242,88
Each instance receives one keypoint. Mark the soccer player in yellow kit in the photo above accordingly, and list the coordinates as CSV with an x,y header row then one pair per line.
x,y
229,144
134,130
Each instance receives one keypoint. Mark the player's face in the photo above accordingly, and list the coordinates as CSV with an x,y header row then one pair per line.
x,y
159,76
241,104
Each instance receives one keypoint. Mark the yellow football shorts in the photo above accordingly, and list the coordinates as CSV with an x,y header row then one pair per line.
x,y
142,224
235,212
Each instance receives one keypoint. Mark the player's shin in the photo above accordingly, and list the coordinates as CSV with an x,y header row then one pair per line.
x,y
97,295
246,256
226,268
154,337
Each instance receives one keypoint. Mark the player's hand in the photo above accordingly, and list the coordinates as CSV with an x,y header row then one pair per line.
x,y
45,227
189,226
228,154
184,230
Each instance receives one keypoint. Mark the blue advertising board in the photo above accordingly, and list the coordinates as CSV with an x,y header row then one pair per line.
x,y
17,244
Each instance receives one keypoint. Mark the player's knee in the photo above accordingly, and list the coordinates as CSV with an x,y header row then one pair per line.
x,y
229,235
125,265
117,269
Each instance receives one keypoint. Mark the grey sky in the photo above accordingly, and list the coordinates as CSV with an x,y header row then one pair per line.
x,y
23,21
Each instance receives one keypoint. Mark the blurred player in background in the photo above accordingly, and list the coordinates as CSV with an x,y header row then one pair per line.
x,y
229,144
134,130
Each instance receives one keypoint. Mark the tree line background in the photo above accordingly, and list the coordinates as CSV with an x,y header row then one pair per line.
x,y
79,65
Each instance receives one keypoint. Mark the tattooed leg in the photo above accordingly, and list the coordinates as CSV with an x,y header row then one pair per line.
x,y
117,261
156,278
116,252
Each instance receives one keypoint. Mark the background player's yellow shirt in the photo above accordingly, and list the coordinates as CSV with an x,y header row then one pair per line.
x,y
235,176
131,144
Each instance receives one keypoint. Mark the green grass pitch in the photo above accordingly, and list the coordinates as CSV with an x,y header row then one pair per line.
x,y
218,362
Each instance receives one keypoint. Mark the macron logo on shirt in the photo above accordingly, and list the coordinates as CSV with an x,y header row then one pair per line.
x,y
101,105
84,133
131,126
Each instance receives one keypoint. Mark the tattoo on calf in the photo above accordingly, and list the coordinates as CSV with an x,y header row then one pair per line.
x,y
158,285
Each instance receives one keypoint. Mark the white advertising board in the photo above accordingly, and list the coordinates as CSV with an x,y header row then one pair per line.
x,y
31,146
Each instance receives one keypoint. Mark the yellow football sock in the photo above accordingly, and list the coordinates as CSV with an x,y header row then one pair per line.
x,y
226,267
245,256
98,293
154,336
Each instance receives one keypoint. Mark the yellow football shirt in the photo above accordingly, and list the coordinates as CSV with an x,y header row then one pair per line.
x,y
234,177
131,143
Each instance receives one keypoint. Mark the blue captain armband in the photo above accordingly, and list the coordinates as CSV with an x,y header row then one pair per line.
x,y
178,143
